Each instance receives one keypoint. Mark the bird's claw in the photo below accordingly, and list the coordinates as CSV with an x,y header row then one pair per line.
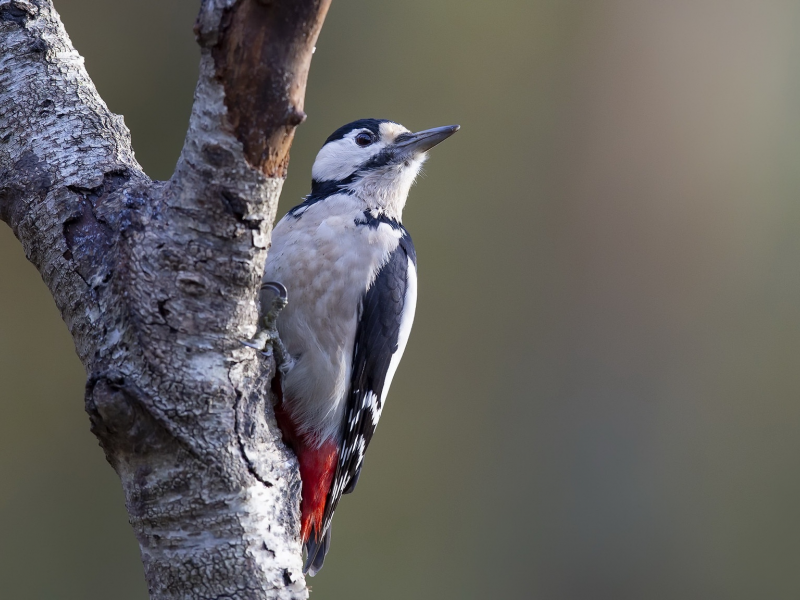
x,y
272,300
259,342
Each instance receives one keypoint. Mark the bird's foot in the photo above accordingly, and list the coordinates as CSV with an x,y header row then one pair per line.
x,y
272,299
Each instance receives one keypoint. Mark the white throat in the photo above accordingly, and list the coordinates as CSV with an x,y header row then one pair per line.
x,y
386,189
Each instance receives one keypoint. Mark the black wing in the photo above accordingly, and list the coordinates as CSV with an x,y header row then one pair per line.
x,y
382,332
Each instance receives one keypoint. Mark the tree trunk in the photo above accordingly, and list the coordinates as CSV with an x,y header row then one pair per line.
x,y
157,281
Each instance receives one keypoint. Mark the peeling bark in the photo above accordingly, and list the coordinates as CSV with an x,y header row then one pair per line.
x,y
157,280
262,53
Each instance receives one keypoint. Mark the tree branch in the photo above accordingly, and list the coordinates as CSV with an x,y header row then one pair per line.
x,y
156,282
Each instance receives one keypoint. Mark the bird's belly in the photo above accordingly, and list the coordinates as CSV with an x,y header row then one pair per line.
x,y
326,265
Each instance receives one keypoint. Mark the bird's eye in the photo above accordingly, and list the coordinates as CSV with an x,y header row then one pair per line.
x,y
363,139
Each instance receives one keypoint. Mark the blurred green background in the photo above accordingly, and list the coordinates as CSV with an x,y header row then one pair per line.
x,y
601,395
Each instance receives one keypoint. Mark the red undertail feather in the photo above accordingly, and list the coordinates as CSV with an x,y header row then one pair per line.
x,y
317,468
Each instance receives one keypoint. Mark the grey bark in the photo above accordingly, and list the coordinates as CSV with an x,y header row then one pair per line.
x,y
157,281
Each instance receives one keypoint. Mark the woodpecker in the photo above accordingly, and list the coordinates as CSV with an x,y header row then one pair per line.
x,y
350,270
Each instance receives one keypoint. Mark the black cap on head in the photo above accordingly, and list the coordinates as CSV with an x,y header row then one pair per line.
x,y
374,125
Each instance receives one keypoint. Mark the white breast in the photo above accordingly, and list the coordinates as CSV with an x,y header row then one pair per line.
x,y
326,262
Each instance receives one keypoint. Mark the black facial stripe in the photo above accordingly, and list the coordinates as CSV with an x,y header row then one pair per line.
x,y
381,159
320,190
373,125
323,189
370,220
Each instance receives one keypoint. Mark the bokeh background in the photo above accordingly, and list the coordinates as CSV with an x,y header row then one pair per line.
x,y
601,395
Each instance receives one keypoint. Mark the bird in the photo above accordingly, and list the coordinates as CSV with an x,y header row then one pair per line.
x,y
349,266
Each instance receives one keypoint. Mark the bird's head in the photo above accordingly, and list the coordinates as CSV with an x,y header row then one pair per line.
x,y
376,160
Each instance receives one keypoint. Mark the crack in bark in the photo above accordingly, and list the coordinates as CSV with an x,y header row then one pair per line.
x,y
121,420
250,466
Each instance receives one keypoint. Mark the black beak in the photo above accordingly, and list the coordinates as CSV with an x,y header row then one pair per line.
x,y
412,144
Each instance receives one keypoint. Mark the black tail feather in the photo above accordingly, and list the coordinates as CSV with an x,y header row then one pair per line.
x,y
316,550
351,486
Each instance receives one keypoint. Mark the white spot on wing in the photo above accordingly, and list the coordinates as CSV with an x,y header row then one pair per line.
x,y
374,407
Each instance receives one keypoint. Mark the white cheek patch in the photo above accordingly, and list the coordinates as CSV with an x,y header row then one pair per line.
x,y
339,159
